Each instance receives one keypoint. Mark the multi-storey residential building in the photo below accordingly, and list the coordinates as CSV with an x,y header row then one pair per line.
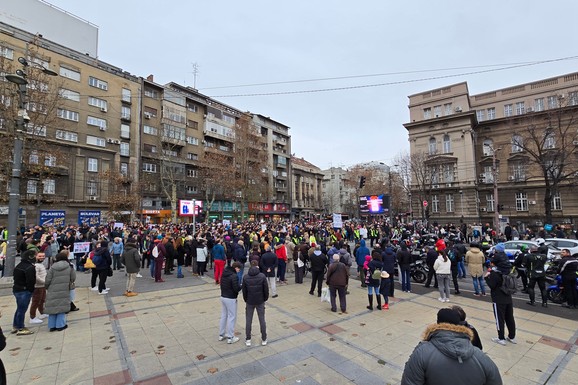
x,y
338,192
82,133
507,138
307,193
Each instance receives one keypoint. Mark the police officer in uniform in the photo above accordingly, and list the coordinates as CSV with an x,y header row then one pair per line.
x,y
537,274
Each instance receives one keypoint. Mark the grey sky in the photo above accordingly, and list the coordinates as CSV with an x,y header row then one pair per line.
x,y
257,41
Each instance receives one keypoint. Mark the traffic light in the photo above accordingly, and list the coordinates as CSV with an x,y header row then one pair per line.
x,y
361,181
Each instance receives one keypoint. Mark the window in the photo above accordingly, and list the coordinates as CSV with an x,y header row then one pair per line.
x,y
96,102
556,201
6,52
508,110
33,157
480,114
192,107
50,160
448,109
95,141
150,130
169,152
432,146
124,149
37,107
67,114
491,113
437,111
125,131
490,202
70,73
173,132
549,141
125,113
447,144
450,203
37,85
92,165
192,156
150,112
36,130
520,109
124,168
518,171
191,189
539,104
31,187
192,173
149,167
67,135
94,82
150,148
521,201
150,93
448,173
488,147
552,101
192,124
91,188
192,140
517,143
572,98
92,121
435,204
488,174
434,175
126,95
49,186
70,95
427,113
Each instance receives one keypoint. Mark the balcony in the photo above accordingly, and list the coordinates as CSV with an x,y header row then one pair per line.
x,y
173,141
214,134
125,117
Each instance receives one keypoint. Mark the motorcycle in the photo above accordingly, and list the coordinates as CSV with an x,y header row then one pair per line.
x,y
418,271
555,293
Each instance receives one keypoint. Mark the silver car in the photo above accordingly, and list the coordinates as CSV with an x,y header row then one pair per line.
x,y
563,243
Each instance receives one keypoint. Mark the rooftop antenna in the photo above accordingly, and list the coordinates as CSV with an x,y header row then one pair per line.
x,y
195,72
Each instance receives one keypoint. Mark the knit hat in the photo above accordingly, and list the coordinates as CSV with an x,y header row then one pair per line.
x,y
448,316
500,247
29,255
159,237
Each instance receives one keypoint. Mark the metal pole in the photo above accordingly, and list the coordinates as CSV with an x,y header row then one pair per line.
x,y
496,200
194,216
390,197
14,198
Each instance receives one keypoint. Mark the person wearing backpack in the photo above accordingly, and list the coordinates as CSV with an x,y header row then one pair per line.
x,y
501,299
536,271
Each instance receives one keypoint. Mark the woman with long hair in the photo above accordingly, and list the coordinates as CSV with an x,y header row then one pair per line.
x,y
443,269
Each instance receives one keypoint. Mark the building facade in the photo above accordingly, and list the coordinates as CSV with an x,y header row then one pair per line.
x,y
307,197
518,141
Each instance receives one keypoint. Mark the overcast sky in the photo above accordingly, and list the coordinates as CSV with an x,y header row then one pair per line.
x,y
403,43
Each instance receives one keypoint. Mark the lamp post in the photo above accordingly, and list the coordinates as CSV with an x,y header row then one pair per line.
x,y
496,200
390,192
14,198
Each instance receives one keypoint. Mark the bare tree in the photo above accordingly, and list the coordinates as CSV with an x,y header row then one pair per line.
x,y
418,172
124,194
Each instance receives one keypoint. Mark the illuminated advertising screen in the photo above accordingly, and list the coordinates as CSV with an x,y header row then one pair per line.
x,y
374,204
186,208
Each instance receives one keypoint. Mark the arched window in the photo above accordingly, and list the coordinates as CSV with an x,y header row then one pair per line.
x,y
447,144
432,146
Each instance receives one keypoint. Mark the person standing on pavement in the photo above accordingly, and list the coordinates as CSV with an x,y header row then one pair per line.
x,y
360,254
159,259
404,261
290,246
501,301
388,259
131,258
24,283
430,259
218,254
337,280
39,295
373,284
268,265
567,269
59,279
319,263
442,267
475,260
281,253
116,250
302,256
537,274
230,288
256,293
102,262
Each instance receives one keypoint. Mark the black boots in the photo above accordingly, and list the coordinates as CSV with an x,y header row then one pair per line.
x,y
378,302
370,298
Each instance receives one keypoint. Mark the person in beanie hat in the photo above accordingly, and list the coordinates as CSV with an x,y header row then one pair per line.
x,y
23,288
446,355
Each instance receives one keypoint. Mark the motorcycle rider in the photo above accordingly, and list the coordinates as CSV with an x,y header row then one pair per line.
x,y
520,264
537,273
430,259
568,266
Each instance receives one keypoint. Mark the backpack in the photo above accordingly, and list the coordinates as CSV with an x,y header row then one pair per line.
x,y
96,259
452,255
508,284
376,274
155,251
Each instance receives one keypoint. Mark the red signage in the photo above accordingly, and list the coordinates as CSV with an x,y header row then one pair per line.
x,y
424,203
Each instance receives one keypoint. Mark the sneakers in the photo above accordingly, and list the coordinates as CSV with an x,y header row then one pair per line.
x,y
104,292
385,306
232,340
36,321
14,331
43,316
94,288
441,299
131,294
499,341
477,294
248,343
446,300
24,332
274,296
138,275
221,338
512,340
264,343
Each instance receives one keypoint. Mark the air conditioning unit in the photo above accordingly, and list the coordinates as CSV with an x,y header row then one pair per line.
x,y
483,175
575,142
102,128
483,209
532,202
511,177
117,141
448,185
458,109
109,140
529,109
435,186
103,109
147,115
92,198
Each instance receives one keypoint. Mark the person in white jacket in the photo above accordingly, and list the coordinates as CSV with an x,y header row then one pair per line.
x,y
443,269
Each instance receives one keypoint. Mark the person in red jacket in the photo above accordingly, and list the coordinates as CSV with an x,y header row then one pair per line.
x,y
281,253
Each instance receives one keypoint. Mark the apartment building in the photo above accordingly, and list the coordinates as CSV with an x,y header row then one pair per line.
x,y
307,195
468,143
82,132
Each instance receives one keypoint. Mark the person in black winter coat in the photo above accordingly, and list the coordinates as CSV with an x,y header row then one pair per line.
x,y
567,269
319,262
388,259
404,262
255,293
268,265
430,259
230,289
23,288
103,261
501,301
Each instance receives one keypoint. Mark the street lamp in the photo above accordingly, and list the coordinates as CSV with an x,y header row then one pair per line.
x,y
391,193
19,78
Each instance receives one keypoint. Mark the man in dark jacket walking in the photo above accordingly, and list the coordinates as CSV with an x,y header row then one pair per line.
x,y
255,294
268,265
318,262
130,259
24,282
502,301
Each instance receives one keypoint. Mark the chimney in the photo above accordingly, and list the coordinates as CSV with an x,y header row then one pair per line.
x,y
150,78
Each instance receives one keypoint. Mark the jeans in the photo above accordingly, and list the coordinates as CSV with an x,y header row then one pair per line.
x,y
22,302
79,266
249,311
372,289
228,317
405,278
461,270
479,285
116,262
56,320
444,285
281,267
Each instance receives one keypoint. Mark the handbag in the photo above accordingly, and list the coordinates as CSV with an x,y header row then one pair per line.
x,y
300,262
109,273
89,264
376,274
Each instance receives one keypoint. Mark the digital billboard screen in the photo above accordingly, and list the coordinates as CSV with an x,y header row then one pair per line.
x,y
374,204
186,207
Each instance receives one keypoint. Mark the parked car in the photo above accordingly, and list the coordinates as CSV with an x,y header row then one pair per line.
x,y
563,243
512,247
